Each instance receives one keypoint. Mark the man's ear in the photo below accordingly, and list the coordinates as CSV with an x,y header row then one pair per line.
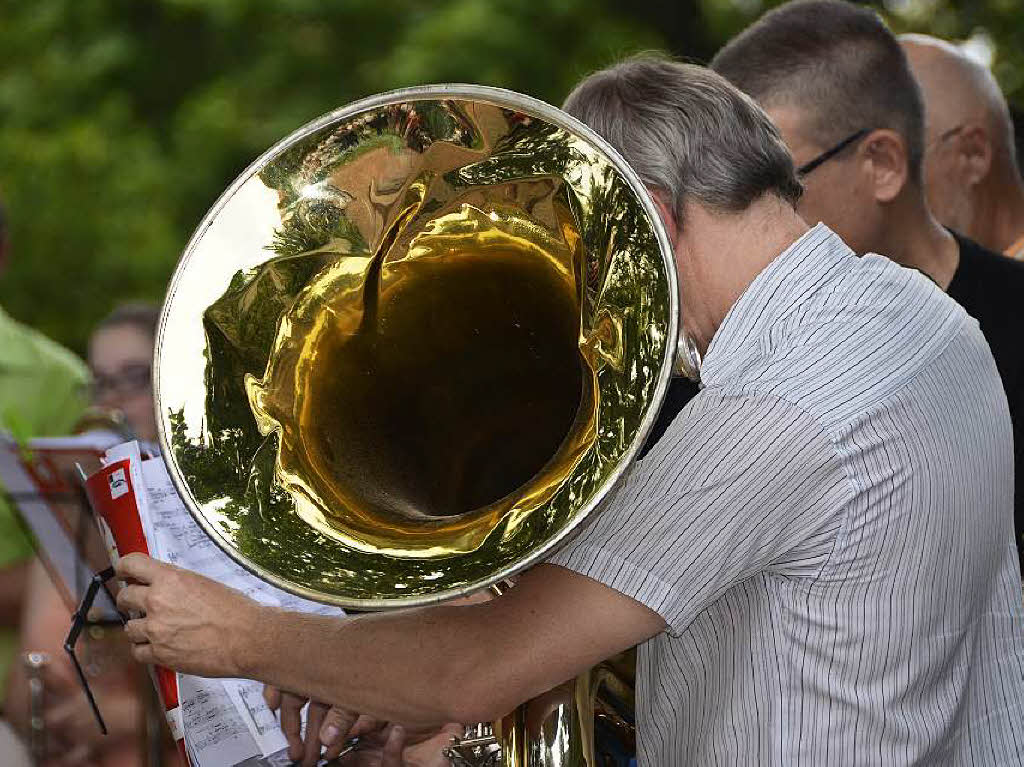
x,y
668,215
974,152
885,157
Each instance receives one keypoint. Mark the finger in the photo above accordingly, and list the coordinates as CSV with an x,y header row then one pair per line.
x,y
363,725
136,630
337,728
370,752
138,567
311,748
291,724
143,653
272,697
133,598
454,730
391,756
429,752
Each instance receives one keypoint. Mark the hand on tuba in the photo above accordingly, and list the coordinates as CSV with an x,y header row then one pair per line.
x,y
330,729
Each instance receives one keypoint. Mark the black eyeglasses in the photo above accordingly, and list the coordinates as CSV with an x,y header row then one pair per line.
x,y
131,378
828,154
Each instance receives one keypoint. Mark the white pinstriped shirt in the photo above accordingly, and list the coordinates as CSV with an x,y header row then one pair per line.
x,y
827,530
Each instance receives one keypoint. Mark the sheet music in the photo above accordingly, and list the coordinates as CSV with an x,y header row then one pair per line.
x,y
181,541
261,721
214,729
226,721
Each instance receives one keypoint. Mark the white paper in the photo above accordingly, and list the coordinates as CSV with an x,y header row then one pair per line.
x,y
214,729
247,696
180,540
90,440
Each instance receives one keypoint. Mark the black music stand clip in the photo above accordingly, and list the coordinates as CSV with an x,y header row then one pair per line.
x,y
79,621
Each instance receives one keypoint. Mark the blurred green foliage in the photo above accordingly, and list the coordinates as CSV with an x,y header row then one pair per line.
x,y
122,120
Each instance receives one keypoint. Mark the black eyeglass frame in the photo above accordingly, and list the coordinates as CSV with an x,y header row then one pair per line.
x,y
828,154
131,379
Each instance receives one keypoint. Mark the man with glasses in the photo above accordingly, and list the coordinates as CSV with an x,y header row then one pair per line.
x,y
837,84
971,175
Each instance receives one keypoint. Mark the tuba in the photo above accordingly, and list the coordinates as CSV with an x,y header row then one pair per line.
x,y
409,351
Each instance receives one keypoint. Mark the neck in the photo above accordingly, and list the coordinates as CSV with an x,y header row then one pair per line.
x,y
914,238
998,221
726,251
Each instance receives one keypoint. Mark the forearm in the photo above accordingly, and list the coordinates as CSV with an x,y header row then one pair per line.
x,y
420,667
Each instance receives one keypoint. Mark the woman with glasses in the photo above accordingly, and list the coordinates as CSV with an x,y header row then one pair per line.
x,y
121,358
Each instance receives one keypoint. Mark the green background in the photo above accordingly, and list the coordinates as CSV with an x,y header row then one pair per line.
x,y
121,121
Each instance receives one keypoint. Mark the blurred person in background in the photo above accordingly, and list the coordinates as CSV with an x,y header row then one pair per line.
x,y
837,84
120,359
971,175
42,393
121,362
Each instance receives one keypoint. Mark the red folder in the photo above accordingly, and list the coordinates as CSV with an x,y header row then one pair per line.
x,y
112,495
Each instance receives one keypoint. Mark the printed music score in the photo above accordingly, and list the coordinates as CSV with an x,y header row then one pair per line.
x,y
223,722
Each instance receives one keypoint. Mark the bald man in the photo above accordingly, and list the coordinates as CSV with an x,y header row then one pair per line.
x,y
971,174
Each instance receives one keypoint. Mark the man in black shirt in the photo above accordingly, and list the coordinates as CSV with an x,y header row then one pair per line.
x,y
991,287
838,86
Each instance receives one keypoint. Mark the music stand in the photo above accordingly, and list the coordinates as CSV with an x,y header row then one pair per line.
x,y
84,594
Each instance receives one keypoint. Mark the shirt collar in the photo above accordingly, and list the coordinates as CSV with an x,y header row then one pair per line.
x,y
796,273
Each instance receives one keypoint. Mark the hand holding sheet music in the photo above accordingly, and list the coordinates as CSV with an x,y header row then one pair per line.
x,y
222,722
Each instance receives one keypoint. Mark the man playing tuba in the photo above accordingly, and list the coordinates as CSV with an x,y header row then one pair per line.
x,y
816,558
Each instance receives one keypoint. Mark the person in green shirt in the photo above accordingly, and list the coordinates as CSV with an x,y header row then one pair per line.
x,y
43,392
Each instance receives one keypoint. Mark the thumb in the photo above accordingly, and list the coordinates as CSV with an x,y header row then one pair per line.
x,y
392,754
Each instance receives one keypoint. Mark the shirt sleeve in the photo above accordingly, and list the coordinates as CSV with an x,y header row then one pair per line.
x,y
738,485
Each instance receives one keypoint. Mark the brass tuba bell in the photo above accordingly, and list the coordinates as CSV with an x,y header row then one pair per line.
x,y
411,348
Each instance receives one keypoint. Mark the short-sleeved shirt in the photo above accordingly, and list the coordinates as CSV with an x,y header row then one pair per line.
x,y
42,393
826,528
991,288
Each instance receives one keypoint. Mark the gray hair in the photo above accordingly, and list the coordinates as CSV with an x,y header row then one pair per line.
x,y
687,133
